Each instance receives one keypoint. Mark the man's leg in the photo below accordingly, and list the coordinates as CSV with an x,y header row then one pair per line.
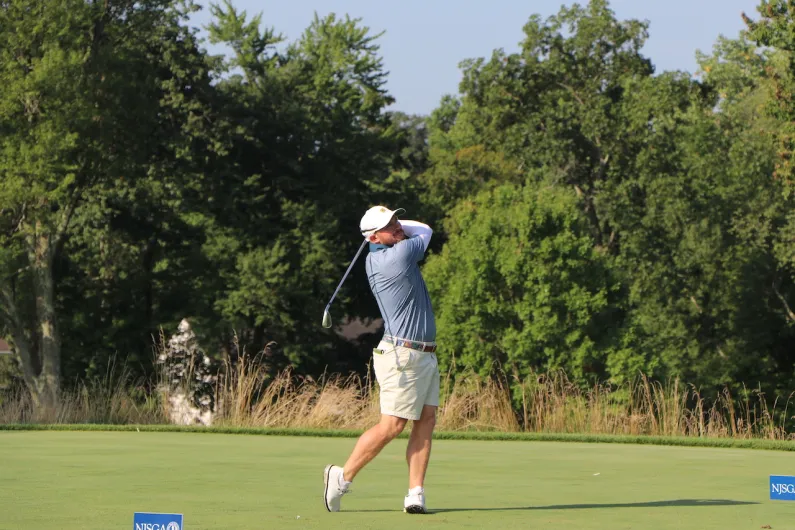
x,y
418,451
371,442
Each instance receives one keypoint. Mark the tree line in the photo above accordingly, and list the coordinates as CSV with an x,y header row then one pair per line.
x,y
591,214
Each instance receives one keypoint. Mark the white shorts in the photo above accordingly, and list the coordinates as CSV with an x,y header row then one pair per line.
x,y
407,380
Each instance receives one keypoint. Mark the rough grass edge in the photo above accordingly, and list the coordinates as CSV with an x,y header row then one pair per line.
x,y
680,441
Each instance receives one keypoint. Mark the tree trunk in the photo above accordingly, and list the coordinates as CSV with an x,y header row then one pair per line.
x,y
37,342
49,343
20,342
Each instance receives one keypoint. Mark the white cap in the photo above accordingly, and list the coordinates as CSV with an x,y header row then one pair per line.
x,y
377,218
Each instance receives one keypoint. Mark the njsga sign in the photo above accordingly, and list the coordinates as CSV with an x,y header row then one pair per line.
x,y
782,488
157,521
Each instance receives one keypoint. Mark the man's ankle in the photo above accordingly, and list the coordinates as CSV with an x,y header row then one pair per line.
x,y
343,482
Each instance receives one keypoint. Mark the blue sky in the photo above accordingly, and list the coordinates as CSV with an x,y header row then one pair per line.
x,y
426,39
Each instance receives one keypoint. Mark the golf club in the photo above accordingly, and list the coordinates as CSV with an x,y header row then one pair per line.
x,y
326,314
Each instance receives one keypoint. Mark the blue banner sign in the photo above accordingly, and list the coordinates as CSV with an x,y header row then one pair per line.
x,y
782,488
157,521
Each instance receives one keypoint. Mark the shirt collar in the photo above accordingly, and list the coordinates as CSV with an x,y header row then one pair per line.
x,y
375,247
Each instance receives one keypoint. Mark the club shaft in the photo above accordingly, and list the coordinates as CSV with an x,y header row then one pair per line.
x,y
346,273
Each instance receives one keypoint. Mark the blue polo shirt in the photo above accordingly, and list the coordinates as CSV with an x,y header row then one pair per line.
x,y
397,284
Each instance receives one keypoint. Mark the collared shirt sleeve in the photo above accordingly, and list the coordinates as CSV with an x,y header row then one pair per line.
x,y
419,236
417,229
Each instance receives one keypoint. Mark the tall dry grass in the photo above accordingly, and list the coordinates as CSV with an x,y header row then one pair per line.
x,y
552,403
114,399
247,396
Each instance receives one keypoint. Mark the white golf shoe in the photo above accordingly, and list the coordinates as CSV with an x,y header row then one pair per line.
x,y
333,491
415,501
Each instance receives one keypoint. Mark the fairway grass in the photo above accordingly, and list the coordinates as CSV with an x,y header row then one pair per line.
x,y
96,480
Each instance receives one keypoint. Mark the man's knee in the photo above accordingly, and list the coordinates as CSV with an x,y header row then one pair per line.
x,y
392,426
424,426
428,416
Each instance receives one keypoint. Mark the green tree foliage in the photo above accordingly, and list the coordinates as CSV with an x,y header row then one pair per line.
x,y
308,148
571,111
556,104
520,287
758,207
91,92
774,29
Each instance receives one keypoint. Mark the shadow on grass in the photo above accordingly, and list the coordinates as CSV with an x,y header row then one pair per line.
x,y
649,504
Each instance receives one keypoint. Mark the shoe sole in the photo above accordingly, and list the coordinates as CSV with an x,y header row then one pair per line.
x,y
415,509
325,486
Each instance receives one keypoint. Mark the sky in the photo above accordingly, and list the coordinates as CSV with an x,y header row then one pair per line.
x,y
425,40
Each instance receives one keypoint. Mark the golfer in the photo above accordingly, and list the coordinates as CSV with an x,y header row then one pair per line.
x,y
404,361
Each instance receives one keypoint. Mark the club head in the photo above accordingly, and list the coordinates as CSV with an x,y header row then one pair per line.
x,y
326,319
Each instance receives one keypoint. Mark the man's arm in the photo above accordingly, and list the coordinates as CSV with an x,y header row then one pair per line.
x,y
417,229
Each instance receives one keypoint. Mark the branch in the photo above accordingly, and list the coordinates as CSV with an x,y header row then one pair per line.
x,y
693,299
603,160
613,238
60,231
787,309
573,93
15,222
4,303
22,216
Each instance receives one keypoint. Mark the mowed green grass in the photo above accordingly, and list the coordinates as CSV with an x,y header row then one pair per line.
x,y
81,480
